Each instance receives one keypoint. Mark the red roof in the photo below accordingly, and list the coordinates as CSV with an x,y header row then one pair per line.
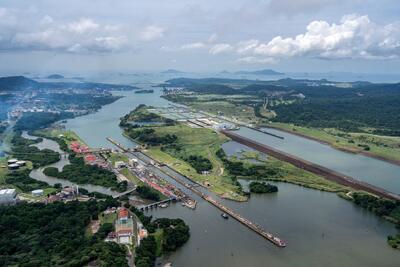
x,y
90,157
124,232
123,213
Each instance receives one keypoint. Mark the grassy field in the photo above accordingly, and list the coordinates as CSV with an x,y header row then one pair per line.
x,y
118,157
68,135
295,175
108,218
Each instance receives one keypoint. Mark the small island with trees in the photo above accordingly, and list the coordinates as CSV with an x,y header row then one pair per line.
x,y
262,187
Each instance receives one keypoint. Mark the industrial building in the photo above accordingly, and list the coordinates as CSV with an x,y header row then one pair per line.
x,y
13,166
37,192
8,197
12,161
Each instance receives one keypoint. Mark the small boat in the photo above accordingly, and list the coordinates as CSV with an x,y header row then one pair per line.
x,y
164,205
224,215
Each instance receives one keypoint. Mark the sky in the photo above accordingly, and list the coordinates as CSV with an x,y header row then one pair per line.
x,y
361,36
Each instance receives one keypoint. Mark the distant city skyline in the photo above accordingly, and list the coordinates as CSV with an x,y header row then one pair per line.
x,y
359,36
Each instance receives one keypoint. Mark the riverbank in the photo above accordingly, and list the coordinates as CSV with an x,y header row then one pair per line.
x,y
347,142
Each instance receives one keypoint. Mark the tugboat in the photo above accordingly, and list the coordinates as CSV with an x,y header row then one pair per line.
x,y
225,216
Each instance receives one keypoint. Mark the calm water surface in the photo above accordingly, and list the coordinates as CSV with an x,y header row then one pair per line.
x,y
375,172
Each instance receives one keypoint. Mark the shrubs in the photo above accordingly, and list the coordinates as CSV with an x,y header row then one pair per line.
x,y
148,193
257,187
199,163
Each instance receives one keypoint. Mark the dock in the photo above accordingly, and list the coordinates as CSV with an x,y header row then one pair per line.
x,y
252,226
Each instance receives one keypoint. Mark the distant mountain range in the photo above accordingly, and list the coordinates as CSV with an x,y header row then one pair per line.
x,y
55,76
172,71
255,72
20,83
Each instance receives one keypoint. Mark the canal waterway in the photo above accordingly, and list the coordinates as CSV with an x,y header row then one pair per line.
x,y
319,227
360,167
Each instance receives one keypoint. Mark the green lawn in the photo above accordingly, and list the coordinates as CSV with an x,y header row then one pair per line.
x,y
109,218
68,135
131,177
118,157
158,235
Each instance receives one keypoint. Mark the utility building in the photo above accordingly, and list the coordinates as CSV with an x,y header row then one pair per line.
x,y
8,197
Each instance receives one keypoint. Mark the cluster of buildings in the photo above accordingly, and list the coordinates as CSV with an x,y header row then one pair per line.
x,y
79,148
90,158
66,194
15,164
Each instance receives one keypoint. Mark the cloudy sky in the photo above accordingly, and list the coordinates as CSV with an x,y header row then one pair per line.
x,y
200,35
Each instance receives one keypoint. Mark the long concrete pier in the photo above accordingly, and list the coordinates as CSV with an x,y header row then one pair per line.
x,y
312,167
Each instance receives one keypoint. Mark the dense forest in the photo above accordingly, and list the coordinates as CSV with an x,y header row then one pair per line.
x,y
141,115
79,172
349,114
55,235
149,137
379,206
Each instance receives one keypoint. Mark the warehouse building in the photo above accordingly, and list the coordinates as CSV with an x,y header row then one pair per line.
x,y
8,197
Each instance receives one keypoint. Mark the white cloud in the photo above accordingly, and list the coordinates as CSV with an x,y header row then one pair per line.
x,y
84,25
220,48
191,46
354,37
44,33
245,47
151,33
